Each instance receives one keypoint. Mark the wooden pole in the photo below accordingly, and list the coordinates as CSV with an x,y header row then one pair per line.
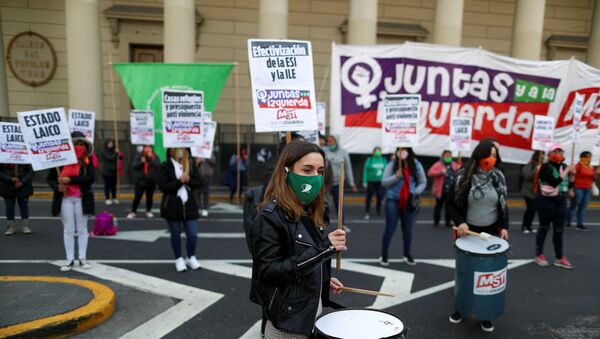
x,y
114,114
237,131
367,292
288,137
573,153
338,261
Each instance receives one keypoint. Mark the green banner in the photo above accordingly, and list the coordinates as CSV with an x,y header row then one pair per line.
x,y
145,81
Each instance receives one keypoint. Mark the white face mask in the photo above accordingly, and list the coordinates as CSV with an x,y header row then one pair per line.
x,y
139,149
403,154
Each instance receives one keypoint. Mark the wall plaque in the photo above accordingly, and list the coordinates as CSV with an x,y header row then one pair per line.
x,y
31,58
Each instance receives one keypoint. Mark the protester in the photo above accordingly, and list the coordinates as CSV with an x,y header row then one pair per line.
x,y
478,202
145,166
335,154
552,205
16,187
529,186
585,176
177,179
444,173
405,180
73,199
233,175
110,157
372,174
291,252
205,168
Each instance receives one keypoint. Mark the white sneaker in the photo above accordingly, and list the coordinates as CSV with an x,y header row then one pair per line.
x,y
149,215
383,262
367,216
108,202
84,264
68,266
180,265
131,215
192,263
204,213
115,201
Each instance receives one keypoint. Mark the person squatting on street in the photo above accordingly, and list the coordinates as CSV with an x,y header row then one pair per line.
x,y
529,186
405,180
443,173
205,169
585,176
73,200
145,167
291,269
177,178
372,175
552,205
16,187
109,160
478,202
335,154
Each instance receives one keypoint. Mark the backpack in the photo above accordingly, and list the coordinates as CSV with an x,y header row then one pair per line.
x,y
105,224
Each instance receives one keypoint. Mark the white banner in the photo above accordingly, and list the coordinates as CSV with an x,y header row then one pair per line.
x,y
322,117
48,139
142,127
205,150
182,118
597,143
13,149
461,129
84,122
543,133
283,88
400,126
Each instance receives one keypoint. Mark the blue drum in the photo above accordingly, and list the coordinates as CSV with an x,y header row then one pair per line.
x,y
480,276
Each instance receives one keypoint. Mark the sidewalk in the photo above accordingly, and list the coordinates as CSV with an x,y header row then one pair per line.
x,y
29,306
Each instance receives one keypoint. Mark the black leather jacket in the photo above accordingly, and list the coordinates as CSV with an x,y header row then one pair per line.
x,y
290,271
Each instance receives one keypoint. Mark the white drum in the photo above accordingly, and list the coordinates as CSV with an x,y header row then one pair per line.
x,y
476,245
359,324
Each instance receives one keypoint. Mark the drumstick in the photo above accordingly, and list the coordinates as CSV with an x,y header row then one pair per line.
x,y
482,235
338,261
368,292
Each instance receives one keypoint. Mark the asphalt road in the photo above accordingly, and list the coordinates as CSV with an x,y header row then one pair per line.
x,y
153,300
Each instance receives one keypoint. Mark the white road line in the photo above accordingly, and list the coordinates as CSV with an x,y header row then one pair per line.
x,y
153,235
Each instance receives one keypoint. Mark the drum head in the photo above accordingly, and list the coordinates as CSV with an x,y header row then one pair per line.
x,y
359,324
476,245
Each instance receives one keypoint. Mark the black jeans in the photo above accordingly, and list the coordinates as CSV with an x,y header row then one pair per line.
x,y
529,213
141,189
377,189
202,193
551,210
110,186
437,210
10,207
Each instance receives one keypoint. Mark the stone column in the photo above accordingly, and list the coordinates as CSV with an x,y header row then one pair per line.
x,y
593,52
528,27
180,31
447,27
4,108
273,19
83,56
362,23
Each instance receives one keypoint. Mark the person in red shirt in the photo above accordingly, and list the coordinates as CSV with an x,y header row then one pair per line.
x,y
585,176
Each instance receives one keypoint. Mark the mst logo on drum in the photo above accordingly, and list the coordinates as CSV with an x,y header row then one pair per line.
x,y
489,283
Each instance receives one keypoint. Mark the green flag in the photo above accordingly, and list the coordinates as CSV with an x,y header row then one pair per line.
x,y
145,81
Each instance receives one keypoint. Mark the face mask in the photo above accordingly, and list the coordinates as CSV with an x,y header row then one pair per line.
x,y
556,158
79,151
306,187
148,150
447,160
487,163
377,153
403,154
585,161
139,149
333,147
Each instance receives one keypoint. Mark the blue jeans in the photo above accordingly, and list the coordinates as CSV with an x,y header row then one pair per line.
x,y
392,214
579,202
191,234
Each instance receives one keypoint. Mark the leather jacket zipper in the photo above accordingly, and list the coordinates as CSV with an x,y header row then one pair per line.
x,y
303,243
327,251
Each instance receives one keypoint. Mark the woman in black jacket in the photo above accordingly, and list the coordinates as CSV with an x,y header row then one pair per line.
x,y
110,157
145,165
177,179
73,199
16,187
290,250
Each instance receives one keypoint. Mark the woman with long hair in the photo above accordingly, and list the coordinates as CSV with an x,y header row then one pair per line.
x,y
73,200
404,178
291,251
177,178
479,202
529,174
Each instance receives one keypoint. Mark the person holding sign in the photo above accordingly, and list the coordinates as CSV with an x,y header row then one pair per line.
x,y
110,157
177,178
145,165
291,270
405,180
73,200
585,176
16,187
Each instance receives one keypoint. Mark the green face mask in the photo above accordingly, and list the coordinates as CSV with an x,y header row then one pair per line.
x,y
377,153
333,148
447,160
306,187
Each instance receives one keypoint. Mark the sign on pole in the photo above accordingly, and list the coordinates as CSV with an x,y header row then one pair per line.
x,y
461,129
310,136
205,150
13,149
322,116
47,136
283,88
84,122
401,120
543,133
142,127
182,118
577,116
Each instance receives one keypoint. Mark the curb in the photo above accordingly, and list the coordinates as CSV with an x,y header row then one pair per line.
x,y
98,310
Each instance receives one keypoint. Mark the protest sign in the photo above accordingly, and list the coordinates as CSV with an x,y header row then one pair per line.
x,y
182,118
543,133
13,149
205,150
401,120
322,116
577,115
310,136
460,134
142,127
283,89
207,116
84,122
47,136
